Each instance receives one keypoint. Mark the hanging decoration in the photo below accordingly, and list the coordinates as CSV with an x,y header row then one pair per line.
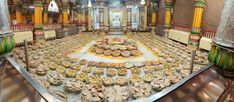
x,y
142,2
53,7
89,4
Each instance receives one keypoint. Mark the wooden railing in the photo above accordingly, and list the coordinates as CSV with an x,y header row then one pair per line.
x,y
52,26
182,27
29,27
209,33
22,27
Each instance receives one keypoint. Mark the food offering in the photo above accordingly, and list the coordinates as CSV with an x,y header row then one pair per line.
x,y
107,81
71,73
121,81
82,77
91,64
160,83
87,69
140,90
117,94
98,71
42,70
101,64
73,85
122,71
111,72
94,79
110,65
93,93
76,67
83,62
33,64
61,69
148,69
148,78
55,78
134,78
135,70
116,47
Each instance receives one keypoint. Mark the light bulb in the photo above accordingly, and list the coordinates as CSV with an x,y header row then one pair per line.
x,y
89,4
142,2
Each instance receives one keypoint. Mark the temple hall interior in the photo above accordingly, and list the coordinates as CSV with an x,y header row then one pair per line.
x,y
116,50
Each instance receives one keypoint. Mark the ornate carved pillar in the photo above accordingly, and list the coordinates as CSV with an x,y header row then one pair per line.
x,y
106,20
83,20
101,17
18,12
194,38
60,17
65,14
7,41
154,15
129,18
154,18
222,51
90,18
142,17
167,24
38,27
79,12
45,14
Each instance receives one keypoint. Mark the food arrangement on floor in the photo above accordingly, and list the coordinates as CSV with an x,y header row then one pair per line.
x,y
116,47
97,81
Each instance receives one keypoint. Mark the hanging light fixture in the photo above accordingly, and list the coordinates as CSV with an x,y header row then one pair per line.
x,y
89,4
53,7
142,2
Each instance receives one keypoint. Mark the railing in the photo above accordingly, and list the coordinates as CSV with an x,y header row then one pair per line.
x,y
209,33
181,27
22,27
29,27
52,26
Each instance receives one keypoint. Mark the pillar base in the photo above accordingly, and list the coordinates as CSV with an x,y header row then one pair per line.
x,y
125,29
223,58
129,28
106,29
7,41
194,40
153,30
38,36
66,31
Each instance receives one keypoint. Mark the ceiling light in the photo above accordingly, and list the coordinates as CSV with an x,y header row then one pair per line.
x,y
89,4
53,7
142,2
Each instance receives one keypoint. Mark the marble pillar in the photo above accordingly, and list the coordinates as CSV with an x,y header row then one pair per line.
x,y
7,42
222,51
